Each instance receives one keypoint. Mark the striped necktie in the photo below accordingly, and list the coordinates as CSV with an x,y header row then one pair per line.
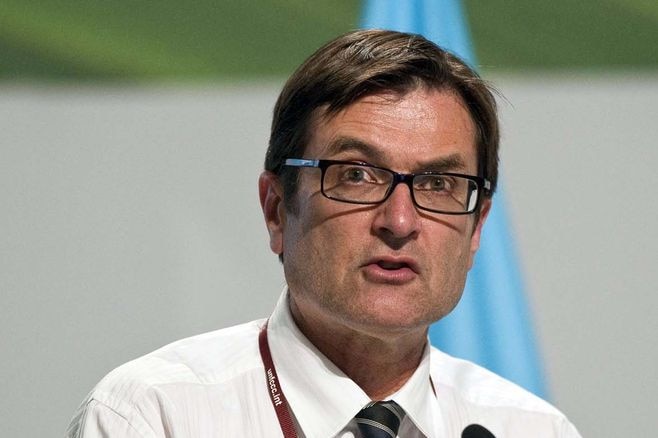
x,y
380,419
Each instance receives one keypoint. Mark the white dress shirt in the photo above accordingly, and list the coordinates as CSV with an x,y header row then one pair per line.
x,y
214,385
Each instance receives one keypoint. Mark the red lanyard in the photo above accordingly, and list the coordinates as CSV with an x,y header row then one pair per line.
x,y
274,387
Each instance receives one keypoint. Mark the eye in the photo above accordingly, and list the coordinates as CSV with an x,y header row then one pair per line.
x,y
438,183
356,175
435,183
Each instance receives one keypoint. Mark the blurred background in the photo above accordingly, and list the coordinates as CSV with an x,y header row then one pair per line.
x,y
132,134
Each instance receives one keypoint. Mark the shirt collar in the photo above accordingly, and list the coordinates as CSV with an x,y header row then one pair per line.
x,y
418,399
324,399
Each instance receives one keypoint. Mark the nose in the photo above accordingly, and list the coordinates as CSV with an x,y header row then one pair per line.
x,y
397,218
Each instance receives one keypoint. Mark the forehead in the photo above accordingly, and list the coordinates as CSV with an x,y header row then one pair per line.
x,y
404,132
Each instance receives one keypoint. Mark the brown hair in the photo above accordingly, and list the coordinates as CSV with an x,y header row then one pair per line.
x,y
364,62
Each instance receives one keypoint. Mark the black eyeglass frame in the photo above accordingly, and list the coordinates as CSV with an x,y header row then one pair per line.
x,y
482,184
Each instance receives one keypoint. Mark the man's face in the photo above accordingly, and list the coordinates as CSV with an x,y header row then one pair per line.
x,y
388,267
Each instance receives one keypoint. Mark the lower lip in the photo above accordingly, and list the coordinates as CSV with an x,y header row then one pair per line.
x,y
377,274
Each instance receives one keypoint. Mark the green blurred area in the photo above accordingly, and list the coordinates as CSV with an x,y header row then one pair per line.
x,y
164,39
565,34
135,41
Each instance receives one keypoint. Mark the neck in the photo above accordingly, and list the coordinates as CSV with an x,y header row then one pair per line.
x,y
380,363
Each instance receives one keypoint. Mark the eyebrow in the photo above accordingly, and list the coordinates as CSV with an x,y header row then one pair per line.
x,y
350,144
449,162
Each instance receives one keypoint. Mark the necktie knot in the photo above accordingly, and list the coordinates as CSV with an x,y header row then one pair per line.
x,y
380,419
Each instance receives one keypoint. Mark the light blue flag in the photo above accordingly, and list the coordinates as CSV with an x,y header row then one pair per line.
x,y
491,325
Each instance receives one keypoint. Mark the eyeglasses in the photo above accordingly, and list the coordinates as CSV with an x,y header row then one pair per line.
x,y
361,183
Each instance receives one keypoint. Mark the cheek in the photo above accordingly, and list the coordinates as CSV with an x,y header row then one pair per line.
x,y
451,256
317,261
308,238
332,242
329,245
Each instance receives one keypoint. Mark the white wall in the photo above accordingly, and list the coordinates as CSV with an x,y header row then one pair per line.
x,y
130,219
580,157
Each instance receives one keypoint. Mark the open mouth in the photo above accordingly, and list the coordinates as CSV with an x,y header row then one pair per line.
x,y
391,270
394,264
391,266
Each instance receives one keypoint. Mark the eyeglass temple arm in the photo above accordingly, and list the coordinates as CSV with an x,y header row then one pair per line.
x,y
300,162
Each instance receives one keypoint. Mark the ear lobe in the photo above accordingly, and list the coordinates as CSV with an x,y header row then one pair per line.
x,y
477,230
271,202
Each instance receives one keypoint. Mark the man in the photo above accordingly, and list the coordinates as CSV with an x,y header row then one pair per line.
x,y
379,176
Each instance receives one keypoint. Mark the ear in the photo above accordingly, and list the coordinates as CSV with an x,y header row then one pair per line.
x,y
477,230
270,192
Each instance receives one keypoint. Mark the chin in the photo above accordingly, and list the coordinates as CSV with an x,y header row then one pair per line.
x,y
387,323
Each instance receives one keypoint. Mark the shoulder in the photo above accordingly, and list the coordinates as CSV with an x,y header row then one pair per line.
x,y
134,391
204,358
484,393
